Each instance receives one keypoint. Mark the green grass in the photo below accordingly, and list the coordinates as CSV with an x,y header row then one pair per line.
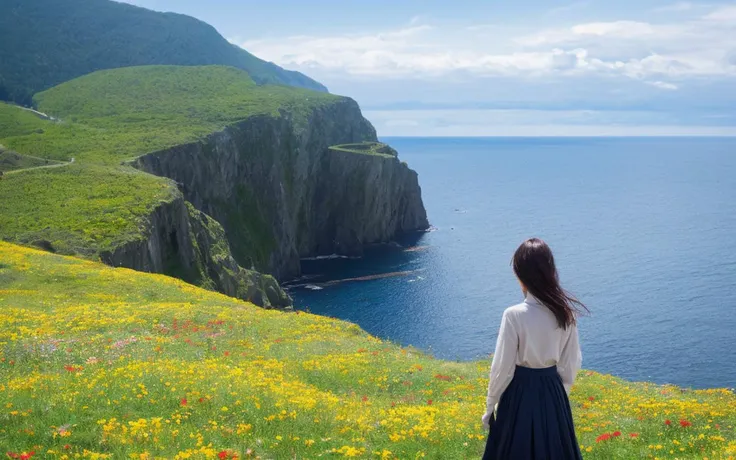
x,y
15,121
11,161
47,42
105,362
114,115
79,209
109,117
367,148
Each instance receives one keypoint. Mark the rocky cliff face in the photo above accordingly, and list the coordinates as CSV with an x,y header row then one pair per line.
x,y
186,243
281,193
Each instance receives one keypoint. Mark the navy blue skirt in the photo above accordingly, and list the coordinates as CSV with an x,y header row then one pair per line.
x,y
534,420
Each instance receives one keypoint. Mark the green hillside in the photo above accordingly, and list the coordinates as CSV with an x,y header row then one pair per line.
x,y
10,161
103,119
47,42
114,115
79,209
99,362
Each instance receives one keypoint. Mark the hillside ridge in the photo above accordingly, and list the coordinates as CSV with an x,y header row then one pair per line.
x,y
43,46
111,363
255,158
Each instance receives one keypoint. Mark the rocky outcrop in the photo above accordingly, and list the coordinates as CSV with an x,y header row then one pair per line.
x,y
221,272
185,243
281,193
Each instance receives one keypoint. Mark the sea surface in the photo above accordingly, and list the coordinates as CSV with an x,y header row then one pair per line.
x,y
643,230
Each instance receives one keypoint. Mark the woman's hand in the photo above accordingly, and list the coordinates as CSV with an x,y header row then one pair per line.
x,y
487,420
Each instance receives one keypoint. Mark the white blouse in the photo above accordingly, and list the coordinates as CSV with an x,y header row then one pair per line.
x,y
530,337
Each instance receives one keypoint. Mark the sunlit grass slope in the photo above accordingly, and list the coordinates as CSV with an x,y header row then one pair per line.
x,y
105,118
79,209
12,161
97,362
113,115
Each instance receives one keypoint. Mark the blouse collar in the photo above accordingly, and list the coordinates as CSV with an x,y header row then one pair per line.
x,y
530,299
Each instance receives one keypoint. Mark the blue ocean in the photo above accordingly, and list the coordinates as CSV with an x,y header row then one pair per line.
x,y
643,229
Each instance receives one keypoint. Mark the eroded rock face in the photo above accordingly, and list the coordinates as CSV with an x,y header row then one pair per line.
x,y
281,193
186,243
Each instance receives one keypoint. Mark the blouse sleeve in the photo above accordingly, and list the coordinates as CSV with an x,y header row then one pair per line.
x,y
571,360
504,361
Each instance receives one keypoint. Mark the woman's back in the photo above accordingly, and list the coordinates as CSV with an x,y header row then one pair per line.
x,y
541,341
536,360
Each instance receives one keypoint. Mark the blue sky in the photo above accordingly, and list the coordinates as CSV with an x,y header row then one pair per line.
x,y
426,67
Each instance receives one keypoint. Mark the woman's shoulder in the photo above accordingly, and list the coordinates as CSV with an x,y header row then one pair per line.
x,y
516,310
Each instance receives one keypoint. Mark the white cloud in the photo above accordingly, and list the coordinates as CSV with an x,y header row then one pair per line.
x,y
663,85
411,51
698,46
621,29
725,14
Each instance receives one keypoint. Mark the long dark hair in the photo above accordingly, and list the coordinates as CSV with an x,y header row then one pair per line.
x,y
534,265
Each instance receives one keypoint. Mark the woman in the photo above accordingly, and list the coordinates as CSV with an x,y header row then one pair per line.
x,y
536,360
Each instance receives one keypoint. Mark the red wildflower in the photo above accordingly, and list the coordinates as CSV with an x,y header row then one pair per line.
x,y
23,456
429,402
227,353
684,423
201,400
718,427
634,435
67,446
446,378
603,437
590,398
617,433
223,454
362,350
364,398
667,422
183,401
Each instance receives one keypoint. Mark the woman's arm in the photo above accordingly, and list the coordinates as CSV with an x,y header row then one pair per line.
x,y
571,360
503,365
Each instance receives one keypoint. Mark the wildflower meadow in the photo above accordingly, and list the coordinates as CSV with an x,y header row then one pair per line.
x,y
99,362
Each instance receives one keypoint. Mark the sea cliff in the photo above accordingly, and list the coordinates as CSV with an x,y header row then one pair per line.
x,y
282,193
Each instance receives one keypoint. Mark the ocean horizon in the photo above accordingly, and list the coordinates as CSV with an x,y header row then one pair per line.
x,y
642,229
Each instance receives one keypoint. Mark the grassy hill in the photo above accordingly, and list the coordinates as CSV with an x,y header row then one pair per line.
x,y
114,115
79,209
108,117
11,161
98,362
47,42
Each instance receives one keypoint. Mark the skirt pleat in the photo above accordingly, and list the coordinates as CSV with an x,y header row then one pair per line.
x,y
534,419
